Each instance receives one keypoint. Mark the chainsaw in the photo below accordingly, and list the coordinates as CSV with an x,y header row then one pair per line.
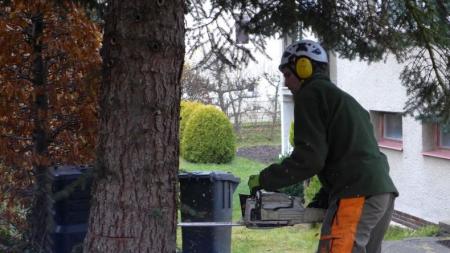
x,y
268,210
275,209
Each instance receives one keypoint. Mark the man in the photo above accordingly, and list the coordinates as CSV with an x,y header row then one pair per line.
x,y
333,139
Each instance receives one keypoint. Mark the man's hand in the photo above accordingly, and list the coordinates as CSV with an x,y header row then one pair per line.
x,y
253,183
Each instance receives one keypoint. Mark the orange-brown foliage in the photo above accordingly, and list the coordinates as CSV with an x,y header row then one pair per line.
x,y
71,43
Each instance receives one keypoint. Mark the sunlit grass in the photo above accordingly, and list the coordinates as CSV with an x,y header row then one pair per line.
x,y
258,135
399,233
286,239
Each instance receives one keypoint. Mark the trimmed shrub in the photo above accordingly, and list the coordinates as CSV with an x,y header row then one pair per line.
x,y
291,134
208,137
312,188
299,190
187,108
296,190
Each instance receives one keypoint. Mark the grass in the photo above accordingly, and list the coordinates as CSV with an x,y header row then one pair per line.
x,y
399,233
286,240
257,135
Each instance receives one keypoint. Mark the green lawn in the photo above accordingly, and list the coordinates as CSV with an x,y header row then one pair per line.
x,y
257,135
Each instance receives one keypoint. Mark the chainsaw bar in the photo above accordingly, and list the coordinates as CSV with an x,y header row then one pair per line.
x,y
209,224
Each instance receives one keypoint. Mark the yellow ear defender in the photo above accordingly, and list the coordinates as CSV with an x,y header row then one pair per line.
x,y
304,67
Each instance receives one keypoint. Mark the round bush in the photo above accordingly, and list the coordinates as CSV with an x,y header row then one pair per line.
x,y
208,137
187,108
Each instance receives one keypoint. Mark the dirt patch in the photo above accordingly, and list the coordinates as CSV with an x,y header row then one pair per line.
x,y
264,154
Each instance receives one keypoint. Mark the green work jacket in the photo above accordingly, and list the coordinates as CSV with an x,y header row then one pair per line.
x,y
334,139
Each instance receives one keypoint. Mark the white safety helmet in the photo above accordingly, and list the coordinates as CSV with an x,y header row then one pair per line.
x,y
308,48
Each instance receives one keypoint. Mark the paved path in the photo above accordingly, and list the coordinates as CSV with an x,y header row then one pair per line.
x,y
416,245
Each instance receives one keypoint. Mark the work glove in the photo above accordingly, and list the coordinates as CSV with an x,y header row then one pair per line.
x,y
320,200
315,204
253,184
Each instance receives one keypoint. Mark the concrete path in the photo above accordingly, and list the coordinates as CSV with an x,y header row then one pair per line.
x,y
417,245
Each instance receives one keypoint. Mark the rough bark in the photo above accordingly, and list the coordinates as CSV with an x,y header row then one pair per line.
x,y
134,198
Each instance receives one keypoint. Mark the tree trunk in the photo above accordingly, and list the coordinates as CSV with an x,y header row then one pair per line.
x,y
38,216
134,195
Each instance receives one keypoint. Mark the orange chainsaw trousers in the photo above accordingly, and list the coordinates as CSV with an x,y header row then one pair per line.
x,y
356,225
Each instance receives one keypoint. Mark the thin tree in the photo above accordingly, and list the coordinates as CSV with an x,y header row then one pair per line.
x,y
49,66
232,90
194,85
273,110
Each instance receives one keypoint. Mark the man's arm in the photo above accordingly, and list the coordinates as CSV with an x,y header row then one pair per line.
x,y
310,139
302,164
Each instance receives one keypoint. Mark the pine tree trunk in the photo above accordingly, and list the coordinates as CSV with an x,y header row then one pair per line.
x,y
134,199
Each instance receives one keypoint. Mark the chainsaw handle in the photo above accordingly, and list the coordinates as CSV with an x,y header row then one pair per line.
x,y
255,190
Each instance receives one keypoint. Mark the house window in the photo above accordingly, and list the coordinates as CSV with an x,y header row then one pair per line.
x,y
392,126
438,144
443,138
388,129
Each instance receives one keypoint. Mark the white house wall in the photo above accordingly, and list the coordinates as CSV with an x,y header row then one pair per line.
x,y
423,182
375,86
287,116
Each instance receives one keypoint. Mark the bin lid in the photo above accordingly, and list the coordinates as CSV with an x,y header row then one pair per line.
x,y
67,171
211,175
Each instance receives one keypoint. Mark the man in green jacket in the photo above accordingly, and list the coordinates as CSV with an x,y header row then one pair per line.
x,y
333,139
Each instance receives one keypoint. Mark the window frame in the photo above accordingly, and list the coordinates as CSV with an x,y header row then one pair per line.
x,y
438,150
389,143
438,138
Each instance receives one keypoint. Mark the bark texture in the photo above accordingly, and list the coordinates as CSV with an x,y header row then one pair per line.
x,y
134,199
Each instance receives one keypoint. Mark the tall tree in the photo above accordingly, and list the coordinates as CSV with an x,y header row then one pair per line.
x,y
48,89
134,201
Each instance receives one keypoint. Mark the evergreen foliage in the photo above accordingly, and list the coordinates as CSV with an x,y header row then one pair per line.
x,y
208,137
416,32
